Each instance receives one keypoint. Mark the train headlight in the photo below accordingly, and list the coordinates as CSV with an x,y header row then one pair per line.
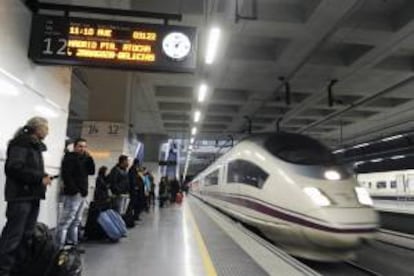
x,y
317,196
332,175
363,196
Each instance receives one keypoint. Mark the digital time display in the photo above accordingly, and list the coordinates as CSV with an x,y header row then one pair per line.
x,y
112,44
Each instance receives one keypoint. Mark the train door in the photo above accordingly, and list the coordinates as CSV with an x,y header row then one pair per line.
x,y
410,184
400,179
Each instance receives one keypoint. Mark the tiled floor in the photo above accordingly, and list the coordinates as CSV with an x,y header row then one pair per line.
x,y
168,242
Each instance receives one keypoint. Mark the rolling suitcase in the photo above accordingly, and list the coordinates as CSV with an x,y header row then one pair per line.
x,y
119,222
110,225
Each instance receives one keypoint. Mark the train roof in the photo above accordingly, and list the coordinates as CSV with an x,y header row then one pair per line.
x,y
282,139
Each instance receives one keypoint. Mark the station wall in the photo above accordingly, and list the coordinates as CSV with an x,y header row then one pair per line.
x,y
27,90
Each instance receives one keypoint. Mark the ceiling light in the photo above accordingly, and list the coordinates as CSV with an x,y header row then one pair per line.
x,y
193,131
192,140
202,92
392,138
377,160
46,111
338,151
197,115
398,157
190,147
212,44
360,145
358,163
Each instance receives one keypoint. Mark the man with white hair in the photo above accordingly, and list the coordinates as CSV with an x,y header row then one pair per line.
x,y
26,183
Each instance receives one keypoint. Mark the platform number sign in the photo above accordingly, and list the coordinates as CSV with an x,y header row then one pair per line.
x,y
103,129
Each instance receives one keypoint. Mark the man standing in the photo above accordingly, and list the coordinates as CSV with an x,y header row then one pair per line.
x,y
76,167
119,182
26,183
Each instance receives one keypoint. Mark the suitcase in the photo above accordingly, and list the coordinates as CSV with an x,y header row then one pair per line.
x,y
111,225
179,198
119,221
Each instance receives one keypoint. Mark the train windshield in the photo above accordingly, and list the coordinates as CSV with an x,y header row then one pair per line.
x,y
299,149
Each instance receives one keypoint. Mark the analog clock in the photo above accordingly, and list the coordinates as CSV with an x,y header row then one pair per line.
x,y
176,45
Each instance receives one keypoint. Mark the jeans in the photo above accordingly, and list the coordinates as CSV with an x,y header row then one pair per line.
x,y
21,221
68,228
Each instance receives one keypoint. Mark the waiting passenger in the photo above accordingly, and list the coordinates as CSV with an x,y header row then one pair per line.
x,y
26,183
119,183
76,167
102,193
147,188
152,189
162,191
175,188
134,207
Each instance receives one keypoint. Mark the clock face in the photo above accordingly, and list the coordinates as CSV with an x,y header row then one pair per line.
x,y
176,45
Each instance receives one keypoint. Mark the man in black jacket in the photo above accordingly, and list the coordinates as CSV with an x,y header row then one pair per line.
x,y
26,183
119,183
76,167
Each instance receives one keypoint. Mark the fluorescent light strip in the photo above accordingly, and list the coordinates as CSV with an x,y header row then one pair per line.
x,y
395,157
338,151
192,140
392,138
212,45
377,160
193,131
202,92
360,145
197,116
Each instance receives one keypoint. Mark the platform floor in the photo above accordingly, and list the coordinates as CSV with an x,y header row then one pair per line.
x,y
176,240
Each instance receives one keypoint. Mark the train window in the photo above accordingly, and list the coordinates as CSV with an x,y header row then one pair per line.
x,y
393,184
381,185
212,178
299,149
241,171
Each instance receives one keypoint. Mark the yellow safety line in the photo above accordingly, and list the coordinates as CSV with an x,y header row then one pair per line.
x,y
208,264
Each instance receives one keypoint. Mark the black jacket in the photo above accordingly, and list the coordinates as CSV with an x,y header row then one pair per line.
x,y
101,189
25,169
119,181
75,170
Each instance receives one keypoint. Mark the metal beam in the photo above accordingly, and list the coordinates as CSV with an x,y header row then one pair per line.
x,y
36,6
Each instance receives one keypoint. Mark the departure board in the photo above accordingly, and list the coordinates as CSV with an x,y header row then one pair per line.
x,y
112,44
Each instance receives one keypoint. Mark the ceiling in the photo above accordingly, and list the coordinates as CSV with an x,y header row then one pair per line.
x,y
366,45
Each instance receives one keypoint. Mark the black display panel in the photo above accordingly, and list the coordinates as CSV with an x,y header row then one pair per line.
x,y
112,44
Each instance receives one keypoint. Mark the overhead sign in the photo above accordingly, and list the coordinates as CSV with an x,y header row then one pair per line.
x,y
112,44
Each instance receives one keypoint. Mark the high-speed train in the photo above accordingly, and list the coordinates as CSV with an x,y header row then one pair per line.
x,y
391,190
290,188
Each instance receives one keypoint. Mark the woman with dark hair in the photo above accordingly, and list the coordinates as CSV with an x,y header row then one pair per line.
x,y
102,186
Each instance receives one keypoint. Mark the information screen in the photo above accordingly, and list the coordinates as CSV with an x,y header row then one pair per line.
x,y
112,44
